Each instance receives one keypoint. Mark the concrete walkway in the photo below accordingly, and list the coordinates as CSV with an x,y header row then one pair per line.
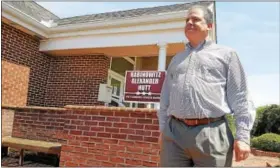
x,y
35,161
257,161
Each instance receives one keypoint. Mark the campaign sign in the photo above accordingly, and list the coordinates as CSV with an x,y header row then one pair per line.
x,y
143,86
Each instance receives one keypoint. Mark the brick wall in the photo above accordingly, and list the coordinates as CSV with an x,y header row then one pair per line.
x,y
33,78
46,124
75,80
94,136
257,152
22,50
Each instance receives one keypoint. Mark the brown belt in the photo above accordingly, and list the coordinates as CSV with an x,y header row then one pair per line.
x,y
202,121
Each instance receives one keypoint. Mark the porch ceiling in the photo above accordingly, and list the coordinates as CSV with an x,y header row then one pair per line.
x,y
124,51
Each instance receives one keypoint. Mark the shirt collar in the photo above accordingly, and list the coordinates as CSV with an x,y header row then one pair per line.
x,y
202,44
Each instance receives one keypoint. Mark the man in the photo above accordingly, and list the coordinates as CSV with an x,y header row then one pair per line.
x,y
203,83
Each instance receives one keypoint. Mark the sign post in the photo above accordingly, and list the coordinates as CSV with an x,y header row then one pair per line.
x,y
143,86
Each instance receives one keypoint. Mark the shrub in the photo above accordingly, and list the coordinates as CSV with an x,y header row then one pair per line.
x,y
267,120
267,142
259,112
231,123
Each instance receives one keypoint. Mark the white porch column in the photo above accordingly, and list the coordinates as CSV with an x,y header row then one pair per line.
x,y
161,61
162,56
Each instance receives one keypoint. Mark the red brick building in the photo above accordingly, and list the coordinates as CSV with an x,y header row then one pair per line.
x,y
49,61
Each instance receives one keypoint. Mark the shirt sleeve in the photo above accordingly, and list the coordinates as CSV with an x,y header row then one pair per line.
x,y
164,101
239,100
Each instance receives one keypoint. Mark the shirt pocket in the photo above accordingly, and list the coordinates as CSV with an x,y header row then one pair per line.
x,y
210,72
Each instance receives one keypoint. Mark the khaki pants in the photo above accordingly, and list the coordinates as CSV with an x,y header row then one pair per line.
x,y
208,145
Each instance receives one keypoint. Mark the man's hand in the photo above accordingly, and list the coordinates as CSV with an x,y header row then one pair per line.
x,y
242,150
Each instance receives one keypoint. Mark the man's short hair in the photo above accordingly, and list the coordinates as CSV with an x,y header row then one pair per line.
x,y
208,15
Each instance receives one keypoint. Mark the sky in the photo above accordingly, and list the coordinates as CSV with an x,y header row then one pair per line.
x,y
251,28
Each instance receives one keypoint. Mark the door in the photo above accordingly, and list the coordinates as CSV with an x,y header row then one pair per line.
x,y
117,82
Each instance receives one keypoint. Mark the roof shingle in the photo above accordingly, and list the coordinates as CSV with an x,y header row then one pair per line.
x,y
39,13
33,9
129,13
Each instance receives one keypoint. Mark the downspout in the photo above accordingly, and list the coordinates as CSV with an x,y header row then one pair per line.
x,y
215,20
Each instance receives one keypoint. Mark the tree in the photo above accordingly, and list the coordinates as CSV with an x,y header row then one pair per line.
x,y
267,120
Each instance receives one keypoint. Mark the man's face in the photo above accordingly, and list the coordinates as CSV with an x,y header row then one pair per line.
x,y
196,27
